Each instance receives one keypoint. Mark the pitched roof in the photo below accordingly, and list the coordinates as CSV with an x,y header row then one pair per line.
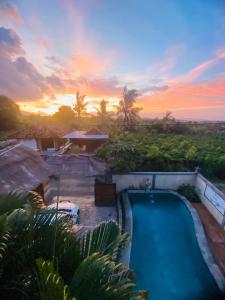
x,y
21,167
39,131
92,134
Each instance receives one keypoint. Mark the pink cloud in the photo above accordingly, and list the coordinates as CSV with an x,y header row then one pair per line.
x,y
8,11
189,95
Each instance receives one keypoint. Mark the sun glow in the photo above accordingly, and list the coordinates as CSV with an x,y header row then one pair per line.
x,y
49,106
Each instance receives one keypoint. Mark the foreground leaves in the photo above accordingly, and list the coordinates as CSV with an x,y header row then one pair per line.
x,y
50,283
42,258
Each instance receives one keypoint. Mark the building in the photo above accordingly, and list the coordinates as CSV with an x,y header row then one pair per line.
x,y
86,141
21,168
41,137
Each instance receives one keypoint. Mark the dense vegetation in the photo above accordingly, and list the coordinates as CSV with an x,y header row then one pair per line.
x,y
9,113
136,144
41,257
150,150
189,192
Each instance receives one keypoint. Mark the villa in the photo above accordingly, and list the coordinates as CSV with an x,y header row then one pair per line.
x,y
188,238
41,137
87,141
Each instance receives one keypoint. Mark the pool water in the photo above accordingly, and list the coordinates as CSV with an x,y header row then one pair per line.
x,y
165,254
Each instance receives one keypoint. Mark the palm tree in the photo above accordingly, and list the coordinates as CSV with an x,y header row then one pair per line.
x,y
126,108
167,119
102,112
37,264
80,107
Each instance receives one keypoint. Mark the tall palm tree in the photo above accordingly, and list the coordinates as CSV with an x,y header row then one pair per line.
x,y
126,108
102,112
80,106
37,264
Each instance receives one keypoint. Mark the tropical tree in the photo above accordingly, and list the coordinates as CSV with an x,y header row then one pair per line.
x,y
126,109
102,112
80,107
41,257
65,115
9,113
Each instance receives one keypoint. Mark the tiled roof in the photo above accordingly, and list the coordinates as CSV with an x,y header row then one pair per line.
x,y
40,131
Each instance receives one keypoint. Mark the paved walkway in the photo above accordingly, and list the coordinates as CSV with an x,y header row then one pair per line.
x,y
215,235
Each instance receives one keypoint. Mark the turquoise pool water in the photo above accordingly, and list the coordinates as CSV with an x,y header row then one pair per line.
x,y
165,253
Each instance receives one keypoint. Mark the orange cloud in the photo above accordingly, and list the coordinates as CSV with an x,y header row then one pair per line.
x,y
187,96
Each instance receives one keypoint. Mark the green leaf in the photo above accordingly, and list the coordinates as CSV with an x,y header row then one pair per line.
x,y
51,285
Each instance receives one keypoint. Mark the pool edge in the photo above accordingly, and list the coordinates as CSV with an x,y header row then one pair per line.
x,y
199,233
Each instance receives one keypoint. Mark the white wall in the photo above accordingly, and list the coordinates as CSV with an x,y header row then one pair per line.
x,y
163,180
173,181
200,186
29,143
128,180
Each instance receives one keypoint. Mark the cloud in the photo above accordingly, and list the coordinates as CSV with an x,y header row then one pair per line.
x,y
189,95
89,57
200,69
96,87
20,79
10,43
8,11
184,94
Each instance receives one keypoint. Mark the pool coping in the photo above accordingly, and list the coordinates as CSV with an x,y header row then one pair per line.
x,y
199,233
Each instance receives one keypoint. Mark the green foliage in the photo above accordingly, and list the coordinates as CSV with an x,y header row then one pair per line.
x,y
14,200
41,257
189,192
9,113
50,283
104,277
123,156
150,151
65,115
104,239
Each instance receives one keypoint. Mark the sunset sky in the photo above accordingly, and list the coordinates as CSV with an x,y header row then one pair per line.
x,y
171,51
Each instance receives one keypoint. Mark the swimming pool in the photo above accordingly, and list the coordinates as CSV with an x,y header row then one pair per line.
x,y
165,253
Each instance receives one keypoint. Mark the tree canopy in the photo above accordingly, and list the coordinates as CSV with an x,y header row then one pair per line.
x,y
9,113
65,115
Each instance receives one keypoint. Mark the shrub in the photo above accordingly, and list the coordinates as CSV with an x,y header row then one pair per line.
x,y
189,192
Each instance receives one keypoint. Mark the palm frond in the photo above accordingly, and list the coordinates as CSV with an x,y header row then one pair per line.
x,y
15,200
105,239
51,285
5,235
100,278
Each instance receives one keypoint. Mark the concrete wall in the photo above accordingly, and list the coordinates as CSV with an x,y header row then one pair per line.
x,y
130,180
174,180
160,180
200,186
